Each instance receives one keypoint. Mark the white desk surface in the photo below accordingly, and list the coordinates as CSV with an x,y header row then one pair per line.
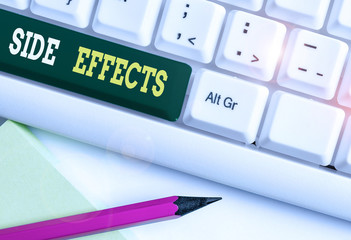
x,y
109,179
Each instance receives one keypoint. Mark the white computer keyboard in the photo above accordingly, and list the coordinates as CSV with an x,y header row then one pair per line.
x,y
267,108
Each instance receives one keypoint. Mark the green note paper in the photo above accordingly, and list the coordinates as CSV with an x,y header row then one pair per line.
x,y
31,189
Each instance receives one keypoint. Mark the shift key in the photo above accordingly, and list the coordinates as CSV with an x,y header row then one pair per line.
x,y
93,67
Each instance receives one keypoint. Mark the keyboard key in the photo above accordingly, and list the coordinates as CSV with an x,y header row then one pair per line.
x,y
20,4
190,28
72,12
251,45
312,64
226,106
131,21
301,128
253,5
343,158
344,97
93,67
309,13
340,19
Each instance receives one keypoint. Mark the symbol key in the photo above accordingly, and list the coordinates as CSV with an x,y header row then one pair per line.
x,y
20,4
310,13
253,5
130,21
72,12
340,19
251,45
312,64
190,28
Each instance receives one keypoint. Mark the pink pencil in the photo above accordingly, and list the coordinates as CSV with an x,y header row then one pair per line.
x,y
108,219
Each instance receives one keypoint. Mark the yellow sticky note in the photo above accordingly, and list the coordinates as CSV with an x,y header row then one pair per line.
x,y
31,189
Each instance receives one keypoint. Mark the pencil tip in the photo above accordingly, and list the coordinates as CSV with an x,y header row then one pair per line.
x,y
213,199
189,204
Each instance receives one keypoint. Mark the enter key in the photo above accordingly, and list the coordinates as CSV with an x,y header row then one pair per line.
x,y
225,105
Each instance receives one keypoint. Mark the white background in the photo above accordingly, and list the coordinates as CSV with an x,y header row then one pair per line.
x,y
109,179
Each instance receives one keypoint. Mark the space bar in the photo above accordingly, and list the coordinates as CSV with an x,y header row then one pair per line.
x,y
93,67
234,165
